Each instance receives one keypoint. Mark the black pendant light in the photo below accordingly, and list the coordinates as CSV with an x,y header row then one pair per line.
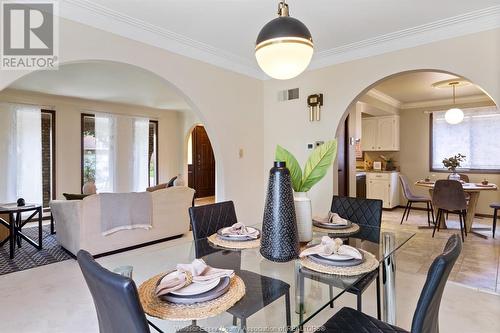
x,y
284,47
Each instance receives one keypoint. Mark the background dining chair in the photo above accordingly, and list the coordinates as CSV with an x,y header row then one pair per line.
x,y
449,196
413,198
426,316
496,207
115,298
364,212
260,290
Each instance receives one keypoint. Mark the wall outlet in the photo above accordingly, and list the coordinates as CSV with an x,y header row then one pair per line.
x,y
319,143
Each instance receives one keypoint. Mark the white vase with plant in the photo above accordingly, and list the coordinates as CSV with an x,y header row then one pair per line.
x,y
315,169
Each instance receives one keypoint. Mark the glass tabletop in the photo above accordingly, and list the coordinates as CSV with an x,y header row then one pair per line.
x,y
267,283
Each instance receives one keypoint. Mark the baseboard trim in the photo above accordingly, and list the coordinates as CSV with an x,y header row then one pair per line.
x,y
129,248
423,209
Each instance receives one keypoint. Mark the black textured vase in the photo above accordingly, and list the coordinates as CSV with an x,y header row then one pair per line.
x,y
279,241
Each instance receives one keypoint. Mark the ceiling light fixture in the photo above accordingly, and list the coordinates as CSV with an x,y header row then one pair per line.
x,y
454,115
284,47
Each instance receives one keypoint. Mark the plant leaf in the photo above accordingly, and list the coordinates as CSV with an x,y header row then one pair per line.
x,y
317,165
284,155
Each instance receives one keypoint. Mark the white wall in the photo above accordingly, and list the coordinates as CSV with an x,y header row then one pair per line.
x,y
475,57
68,126
229,104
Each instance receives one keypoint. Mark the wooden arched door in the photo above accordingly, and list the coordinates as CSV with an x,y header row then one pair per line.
x,y
202,171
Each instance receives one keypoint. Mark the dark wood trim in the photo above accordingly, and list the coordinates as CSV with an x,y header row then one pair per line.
x,y
53,151
129,248
157,124
82,119
431,156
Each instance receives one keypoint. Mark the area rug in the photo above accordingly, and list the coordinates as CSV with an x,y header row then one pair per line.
x,y
28,256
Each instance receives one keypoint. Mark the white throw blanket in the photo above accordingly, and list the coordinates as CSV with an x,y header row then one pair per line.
x,y
196,272
330,246
123,211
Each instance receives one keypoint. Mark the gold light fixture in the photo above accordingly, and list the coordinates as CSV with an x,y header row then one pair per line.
x,y
454,115
284,47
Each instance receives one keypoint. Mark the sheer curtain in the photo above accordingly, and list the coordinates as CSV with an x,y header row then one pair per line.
x,y
476,137
21,151
140,171
105,135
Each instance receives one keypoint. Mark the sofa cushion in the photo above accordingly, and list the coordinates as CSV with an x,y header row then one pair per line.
x,y
157,187
71,196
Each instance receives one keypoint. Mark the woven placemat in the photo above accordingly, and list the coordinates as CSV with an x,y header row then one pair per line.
x,y
155,307
371,263
251,244
354,228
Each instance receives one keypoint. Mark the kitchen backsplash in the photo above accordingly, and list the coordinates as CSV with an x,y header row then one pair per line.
x,y
372,156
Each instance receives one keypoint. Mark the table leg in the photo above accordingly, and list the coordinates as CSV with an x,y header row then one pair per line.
x,y
12,235
442,219
18,227
40,218
389,279
471,210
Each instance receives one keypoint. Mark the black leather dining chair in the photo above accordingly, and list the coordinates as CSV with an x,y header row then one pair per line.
x,y
260,290
364,212
449,196
426,316
115,298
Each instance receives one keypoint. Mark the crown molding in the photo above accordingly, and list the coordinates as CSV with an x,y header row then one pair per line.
x,y
104,18
455,26
89,13
384,98
447,102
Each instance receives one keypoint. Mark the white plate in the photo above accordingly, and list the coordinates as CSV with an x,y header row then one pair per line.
x,y
194,288
336,257
250,229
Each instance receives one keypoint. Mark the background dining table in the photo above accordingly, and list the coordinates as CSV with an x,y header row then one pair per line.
x,y
474,190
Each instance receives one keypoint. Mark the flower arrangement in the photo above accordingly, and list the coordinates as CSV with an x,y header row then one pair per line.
x,y
453,162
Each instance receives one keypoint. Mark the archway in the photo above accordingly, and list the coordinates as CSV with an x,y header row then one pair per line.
x,y
171,147
411,100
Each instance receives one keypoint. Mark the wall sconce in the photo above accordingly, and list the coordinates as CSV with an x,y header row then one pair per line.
x,y
315,102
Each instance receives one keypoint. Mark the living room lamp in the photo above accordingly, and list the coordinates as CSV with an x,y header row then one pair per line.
x,y
284,46
454,115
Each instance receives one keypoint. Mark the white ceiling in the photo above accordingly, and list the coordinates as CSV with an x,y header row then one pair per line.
x,y
417,87
105,81
223,32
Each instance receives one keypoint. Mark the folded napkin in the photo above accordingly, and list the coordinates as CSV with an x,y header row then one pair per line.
x,y
239,229
196,272
330,246
332,218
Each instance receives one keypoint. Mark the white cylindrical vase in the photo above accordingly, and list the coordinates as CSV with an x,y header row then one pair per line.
x,y
303,213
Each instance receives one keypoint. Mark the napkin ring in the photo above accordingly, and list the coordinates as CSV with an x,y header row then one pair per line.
x,y
189,279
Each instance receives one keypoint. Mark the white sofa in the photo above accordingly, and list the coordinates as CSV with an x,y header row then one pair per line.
x,y
78,222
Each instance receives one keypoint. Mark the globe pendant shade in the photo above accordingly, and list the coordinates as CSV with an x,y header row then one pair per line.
x,y
284,48
454,116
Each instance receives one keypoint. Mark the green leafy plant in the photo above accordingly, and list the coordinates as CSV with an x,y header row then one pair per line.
x,y
452,163
315,168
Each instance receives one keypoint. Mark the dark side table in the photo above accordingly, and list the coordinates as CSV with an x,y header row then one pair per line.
x,y
15,225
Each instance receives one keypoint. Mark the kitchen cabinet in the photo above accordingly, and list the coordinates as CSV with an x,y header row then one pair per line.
x,y
383,186
380,133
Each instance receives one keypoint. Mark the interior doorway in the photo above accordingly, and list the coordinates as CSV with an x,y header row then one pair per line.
x,y
201,163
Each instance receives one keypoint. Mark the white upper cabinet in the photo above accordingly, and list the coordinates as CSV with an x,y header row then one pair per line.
x,y
380,134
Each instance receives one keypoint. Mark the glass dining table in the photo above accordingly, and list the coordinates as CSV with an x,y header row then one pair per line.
x,y
309,292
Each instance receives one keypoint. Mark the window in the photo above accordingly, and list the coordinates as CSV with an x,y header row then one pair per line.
x,y
476,138
101,138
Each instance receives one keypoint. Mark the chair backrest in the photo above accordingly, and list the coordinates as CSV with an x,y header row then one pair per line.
x,y
463,177
358,210
115,298
406,186
426,317
207,220
449,195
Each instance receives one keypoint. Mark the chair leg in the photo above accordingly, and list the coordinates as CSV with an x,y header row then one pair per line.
x,y
330,289
432,213
155,327
438,220
235,321
379,311
404,213
464,219
288,314
244,325
409,209
359,302
461,226
495,215
428,214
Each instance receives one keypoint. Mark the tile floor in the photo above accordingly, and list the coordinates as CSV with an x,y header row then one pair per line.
x,y
477,266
